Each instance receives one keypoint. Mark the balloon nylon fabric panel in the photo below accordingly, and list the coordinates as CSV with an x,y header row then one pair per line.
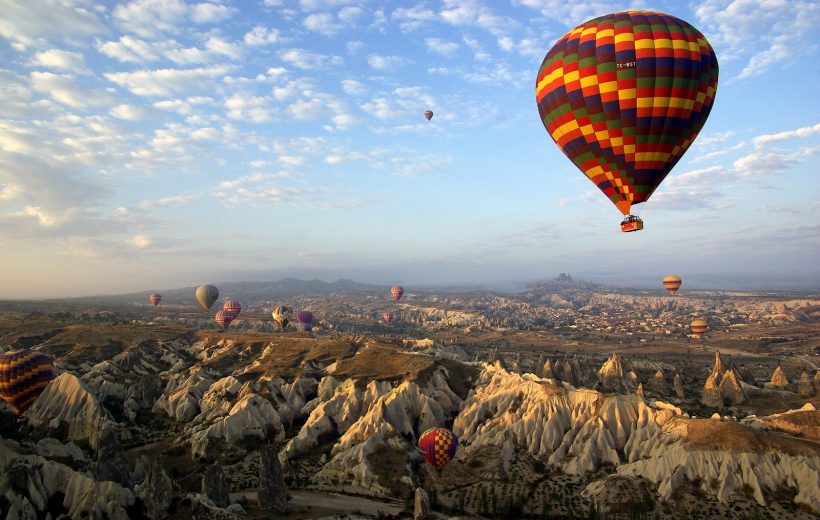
x,y
439,446
23,376
624,96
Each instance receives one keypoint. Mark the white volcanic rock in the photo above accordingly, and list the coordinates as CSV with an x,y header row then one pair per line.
x,y
678,386
613,377
45,479
67,402
657,385
183,394
578,430
53,449
252,416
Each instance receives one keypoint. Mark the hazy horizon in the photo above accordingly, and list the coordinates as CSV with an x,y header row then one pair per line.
x,y
158,145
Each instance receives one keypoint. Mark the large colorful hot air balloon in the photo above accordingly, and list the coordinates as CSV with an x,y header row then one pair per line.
x,y
223,319
281,315
396,291
305,319
387,317
623,96
672,283
428,114
207,295
698,328
439,446
23,376
155,298
232,307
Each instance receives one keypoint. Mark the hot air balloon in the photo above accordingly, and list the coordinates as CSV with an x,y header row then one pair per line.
x,y
232,307
305,319
207,295
698,327
281,315
397,291
428,114
672,283
624,96
155,298
387,317
23,376
223,319
439,446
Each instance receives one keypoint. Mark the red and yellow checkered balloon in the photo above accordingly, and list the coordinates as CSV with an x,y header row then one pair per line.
x,y
439,446
624,95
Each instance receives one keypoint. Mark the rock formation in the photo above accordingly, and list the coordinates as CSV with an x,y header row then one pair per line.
x,y
779,379
639,391
611,374
156,491
722,388
805,388
546,371
272,494
657,385
111,463
214,485
421,505
678,386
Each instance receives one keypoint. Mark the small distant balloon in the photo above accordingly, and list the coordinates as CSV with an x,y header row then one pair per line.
x,y
207,295
698,327
439,447
387,317
24,375
281,314
155,298
223,319
305,319
396,291
672,283
232,307
428,114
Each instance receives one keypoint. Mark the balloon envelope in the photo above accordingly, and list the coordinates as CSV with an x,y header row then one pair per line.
x,y
155,298
281,314
23,376
304,317
698,327
387,317
232,307
672,283
207,295
396,291
624,96
223,319
439,446
428,114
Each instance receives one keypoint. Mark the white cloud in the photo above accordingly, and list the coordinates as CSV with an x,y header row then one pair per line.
x,y
412,18
130,49
60,59
64,89
353,87
350,15
380,62
215,48
246,107
306,60
153,18
261,35
472,13
140,241
806,131
35,22
323,23
183,106
174,200
439,46
128,112
167,82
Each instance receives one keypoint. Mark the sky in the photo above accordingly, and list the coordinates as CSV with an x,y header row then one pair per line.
x,y
153,144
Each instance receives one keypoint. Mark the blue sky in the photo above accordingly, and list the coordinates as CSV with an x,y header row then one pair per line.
x,y
152,144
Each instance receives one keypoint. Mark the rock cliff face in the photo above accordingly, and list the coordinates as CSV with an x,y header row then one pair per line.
x,y
578,430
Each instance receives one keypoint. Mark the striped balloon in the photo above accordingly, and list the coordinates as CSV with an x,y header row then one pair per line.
x,y
698,327
387,317
624,96
396,291
439,446
23,376
223,319
672,283
155,298
232,307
